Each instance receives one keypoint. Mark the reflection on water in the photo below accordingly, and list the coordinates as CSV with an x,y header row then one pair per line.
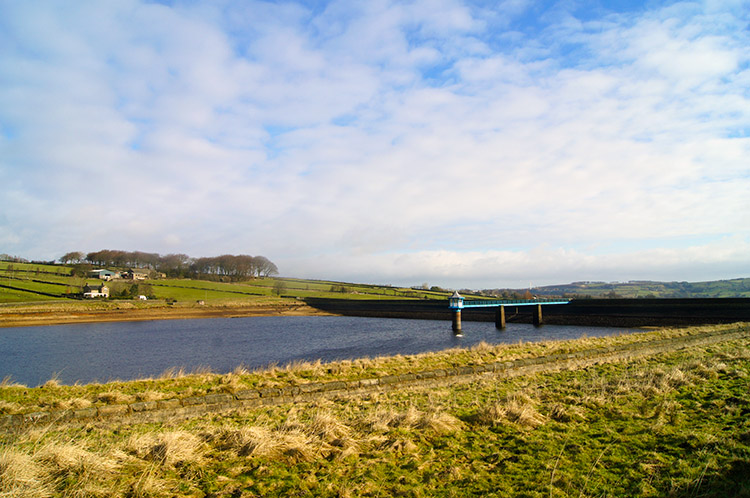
x,y
106,351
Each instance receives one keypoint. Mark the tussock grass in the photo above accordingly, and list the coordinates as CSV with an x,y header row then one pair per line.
x,y
9,407
53,468
114,397
21,476
515,408
67,463
9,382
71,404
167,448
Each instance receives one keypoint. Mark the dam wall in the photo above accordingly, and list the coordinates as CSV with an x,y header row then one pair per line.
x,y
585,312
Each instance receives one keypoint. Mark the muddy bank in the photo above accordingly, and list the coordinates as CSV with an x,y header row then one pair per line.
x,y
587,312
25,318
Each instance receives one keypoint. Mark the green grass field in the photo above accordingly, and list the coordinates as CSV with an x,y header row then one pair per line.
x,y
35,282
738,287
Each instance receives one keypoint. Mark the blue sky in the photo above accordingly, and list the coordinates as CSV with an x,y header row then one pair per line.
x,y
463,144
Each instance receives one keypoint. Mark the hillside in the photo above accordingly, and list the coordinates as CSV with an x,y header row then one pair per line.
x,y
29,282
738,287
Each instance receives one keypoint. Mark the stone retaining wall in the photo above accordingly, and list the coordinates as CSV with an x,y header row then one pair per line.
x,y
171,409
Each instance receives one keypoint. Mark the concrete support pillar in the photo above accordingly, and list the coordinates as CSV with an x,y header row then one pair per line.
x,y
537,315
457,321
500,318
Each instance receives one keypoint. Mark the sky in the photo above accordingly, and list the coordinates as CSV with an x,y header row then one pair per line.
x,y
464,144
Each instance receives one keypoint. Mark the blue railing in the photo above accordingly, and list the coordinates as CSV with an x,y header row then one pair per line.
x,y
486,303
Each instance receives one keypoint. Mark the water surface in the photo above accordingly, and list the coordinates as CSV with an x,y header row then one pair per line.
x,y
99,352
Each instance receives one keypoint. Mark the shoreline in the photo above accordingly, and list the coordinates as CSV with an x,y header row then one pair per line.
x,y
588,312
62,317
303,391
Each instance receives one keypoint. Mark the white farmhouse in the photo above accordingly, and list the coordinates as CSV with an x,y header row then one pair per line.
x,y
94,291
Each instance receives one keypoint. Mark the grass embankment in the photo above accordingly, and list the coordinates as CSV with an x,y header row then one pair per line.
x,y
178,384
672,425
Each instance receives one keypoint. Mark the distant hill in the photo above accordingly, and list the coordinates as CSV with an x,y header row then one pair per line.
x,y
738,287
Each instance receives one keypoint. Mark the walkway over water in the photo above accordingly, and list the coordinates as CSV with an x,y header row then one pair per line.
x,y
487,303
456,303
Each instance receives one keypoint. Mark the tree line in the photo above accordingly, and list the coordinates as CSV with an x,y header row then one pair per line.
x,y
233,267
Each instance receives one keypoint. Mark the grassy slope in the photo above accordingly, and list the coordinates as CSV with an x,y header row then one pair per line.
x,y
42,280
672,425
739,287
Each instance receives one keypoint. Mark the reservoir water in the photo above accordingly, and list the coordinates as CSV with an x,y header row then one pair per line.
x,y
99,352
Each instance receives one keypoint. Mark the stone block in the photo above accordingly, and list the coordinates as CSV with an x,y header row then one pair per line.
x,y
109,410
84,413
193,400
32,418
250,403
168,404
334,386
270,392
312,387
63,415
247,394
143,406
389,379
215,399
353,385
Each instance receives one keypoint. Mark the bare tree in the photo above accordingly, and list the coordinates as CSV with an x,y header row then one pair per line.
x,y
72,257
264,267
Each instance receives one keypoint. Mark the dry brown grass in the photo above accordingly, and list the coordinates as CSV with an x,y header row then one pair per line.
x,y
273,444
114,397
8,406
167,448
71,463
21,476
562,412
54,468
383,420
148,484
230,383
150,396
52,383
320,433
516,408
9,382
71,404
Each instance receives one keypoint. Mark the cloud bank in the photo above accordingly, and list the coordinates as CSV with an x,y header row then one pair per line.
x,y
436,141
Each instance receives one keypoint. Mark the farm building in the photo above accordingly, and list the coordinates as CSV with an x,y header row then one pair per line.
x,y
94,291
136,274
103,274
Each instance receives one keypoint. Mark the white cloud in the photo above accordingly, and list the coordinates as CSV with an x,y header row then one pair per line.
x,y
378,139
